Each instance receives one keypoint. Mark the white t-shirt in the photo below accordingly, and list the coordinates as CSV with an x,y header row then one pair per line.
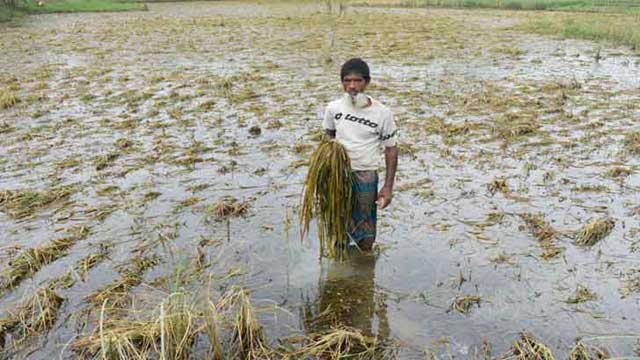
x,y
361,131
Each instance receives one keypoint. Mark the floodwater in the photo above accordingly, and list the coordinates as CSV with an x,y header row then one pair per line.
x,y
185,83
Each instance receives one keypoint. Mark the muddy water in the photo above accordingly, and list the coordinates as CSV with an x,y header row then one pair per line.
x,y
158,78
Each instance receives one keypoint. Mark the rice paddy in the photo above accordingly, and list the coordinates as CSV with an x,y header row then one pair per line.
x,y
153,165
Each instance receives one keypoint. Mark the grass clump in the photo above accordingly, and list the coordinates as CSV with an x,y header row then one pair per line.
x,y
463,304
19,204
327,196
545,234
594,231
339,343
37,315
248,337
582,294
632,142
7,99
32,260
582,351
226,207
528,348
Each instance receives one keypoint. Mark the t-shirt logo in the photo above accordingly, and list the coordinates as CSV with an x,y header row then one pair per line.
x,y
338,116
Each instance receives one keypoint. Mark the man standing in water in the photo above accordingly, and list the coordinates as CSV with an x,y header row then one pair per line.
x,y
363,125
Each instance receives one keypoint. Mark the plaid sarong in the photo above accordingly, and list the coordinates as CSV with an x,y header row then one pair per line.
x,y
364,213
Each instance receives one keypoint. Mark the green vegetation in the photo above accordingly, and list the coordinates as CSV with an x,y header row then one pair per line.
x,y
629,6
82,6
621,29
10,9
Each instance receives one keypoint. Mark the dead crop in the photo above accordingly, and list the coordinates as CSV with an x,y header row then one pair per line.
x,y
226,207
31,260
582,351
19,204
594,231
545,234
582,294
327,196
7,99
528,348
464,303
338,343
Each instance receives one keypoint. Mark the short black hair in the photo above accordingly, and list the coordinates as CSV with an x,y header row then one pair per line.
x,y
355,65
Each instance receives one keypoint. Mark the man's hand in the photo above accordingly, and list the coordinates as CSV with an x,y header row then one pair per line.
x,y
384,197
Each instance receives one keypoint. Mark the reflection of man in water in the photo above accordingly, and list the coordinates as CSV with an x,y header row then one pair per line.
x,y
363,125
347,297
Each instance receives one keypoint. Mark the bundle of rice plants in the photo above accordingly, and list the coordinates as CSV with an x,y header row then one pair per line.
x,y
594,231
327,196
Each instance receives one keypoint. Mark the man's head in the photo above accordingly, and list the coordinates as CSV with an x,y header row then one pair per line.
x,y
355,76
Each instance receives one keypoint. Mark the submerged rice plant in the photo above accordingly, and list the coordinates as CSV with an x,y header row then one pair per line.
x,y
594,231
327,196
19,204
338,343
32,260
582,351
463,304
249,339
528,348
37,315
7,99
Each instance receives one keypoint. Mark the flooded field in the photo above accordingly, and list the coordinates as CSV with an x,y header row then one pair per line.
x,y
153,161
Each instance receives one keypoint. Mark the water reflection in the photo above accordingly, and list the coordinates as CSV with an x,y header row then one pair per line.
x,y
347,296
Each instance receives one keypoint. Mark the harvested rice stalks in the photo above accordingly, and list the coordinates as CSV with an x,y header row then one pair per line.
x,y
582,294
37,315
544,233
248,338
619,172
338,343
528,348
32,260
594,231
19,204
463,304
226,207
327,196
581,351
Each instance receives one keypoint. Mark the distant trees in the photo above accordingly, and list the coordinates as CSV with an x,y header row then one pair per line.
x,y
11,3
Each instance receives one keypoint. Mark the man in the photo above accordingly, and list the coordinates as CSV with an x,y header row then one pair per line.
x,y
362,125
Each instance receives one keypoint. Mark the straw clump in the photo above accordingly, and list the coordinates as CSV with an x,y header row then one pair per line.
x,y
582,351
463,304
582,294
594,231
338,343
7,99
19,204
248,338
327,196
226,207
37,315
545,234
528,348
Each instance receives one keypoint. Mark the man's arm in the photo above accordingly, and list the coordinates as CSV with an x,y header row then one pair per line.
x,y
391,162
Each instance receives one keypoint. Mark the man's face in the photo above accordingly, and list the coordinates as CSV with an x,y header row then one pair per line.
x,y
354,84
